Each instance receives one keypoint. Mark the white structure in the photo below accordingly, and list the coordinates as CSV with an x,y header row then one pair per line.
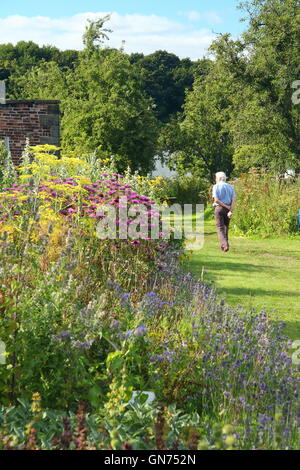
x,y
289,173
162,170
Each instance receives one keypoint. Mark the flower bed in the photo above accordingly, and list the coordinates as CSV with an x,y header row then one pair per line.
x,y
91,324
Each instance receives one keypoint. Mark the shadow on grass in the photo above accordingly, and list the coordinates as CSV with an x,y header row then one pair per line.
x,y
227,265
292,329
254,292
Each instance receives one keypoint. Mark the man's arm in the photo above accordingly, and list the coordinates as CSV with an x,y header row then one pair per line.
x,y
217,201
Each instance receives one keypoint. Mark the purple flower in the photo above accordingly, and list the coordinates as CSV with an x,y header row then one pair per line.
x,y
167,356
63,335
84,344
141,330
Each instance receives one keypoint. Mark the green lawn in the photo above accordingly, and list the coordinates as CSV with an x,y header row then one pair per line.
x,y
258,273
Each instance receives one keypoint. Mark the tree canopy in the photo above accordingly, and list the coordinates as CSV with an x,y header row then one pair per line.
x,y
235,110
241,113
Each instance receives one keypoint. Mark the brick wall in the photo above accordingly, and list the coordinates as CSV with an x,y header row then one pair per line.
x,y
36,119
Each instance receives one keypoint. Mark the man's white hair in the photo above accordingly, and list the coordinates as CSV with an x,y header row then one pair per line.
x,y
221,176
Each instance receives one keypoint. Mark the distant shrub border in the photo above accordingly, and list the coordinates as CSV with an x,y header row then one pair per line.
x,y
266,205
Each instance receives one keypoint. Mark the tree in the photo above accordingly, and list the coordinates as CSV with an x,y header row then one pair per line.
x,y
265,122
199,142
16,61
240,113
260,137
95,35
104,108
109,113
165,79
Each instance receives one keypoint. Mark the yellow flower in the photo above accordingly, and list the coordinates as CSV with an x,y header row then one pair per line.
x,y
36,404
10,229
230,440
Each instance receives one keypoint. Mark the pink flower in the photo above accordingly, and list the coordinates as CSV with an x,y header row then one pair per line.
x,y
135,243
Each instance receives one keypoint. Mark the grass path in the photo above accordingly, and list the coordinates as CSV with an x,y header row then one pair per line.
x,y
262,273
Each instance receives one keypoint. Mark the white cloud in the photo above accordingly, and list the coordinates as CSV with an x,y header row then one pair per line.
x,y
209,17
141,33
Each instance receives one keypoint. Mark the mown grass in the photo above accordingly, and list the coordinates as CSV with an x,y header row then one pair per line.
x,y
256,273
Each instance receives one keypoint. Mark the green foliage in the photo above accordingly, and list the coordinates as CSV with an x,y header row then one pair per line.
x,y
264,121
3,156
199,143
267,206
95,34
240,112
59,430
104,109
15,61
165,79
186,189
112,116
101,319
235,111
7,169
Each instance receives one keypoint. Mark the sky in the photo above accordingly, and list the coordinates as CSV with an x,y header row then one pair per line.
x,y
184,28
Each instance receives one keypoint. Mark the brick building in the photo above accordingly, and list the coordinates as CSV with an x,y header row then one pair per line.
x,y
37,120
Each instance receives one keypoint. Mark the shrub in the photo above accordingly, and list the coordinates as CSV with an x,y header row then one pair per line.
x,y
266,206
186,190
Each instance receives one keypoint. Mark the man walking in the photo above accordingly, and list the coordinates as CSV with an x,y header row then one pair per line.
x,y
224,199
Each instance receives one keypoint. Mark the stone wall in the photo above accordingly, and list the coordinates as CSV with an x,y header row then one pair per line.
x,y
37,120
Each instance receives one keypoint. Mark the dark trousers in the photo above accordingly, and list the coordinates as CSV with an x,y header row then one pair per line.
x,y
222,223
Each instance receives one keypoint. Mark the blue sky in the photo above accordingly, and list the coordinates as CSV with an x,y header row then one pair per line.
x,y
185,28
